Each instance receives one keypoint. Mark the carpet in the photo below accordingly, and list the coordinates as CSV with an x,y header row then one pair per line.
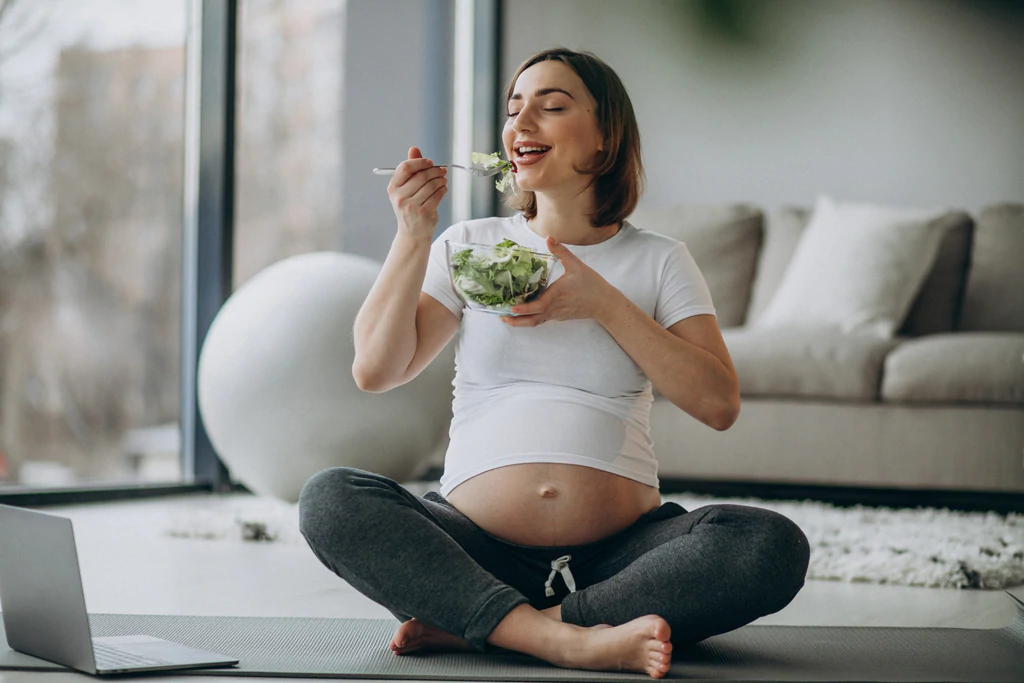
x,y
927,547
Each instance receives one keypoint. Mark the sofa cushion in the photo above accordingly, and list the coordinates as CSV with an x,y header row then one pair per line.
x,y
857,269
807,364
723,240
962,367
782,230
993,300
936,307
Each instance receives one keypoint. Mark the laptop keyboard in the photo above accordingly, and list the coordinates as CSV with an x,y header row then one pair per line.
x,y
108,657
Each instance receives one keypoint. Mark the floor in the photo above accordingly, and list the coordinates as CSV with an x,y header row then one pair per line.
x,y
129,566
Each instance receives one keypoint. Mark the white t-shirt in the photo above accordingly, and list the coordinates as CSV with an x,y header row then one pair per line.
x,y
563,391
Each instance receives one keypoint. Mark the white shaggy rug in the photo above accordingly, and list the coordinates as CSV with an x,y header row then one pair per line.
x,y
929,547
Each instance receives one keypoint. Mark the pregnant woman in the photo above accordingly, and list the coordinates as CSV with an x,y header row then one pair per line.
x,y
549,536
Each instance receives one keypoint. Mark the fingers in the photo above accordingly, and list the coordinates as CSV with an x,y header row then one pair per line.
x,y
407,169
416,189
438,183
419,187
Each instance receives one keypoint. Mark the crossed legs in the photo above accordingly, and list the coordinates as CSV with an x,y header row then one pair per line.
x,y
674,577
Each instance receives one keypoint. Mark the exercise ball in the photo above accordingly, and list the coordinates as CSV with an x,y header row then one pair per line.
x,y
275,385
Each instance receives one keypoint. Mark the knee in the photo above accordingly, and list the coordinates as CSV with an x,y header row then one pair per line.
x,y
783,554
328,500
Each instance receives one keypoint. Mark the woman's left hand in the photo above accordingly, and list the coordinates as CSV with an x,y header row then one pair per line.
x,y
579,294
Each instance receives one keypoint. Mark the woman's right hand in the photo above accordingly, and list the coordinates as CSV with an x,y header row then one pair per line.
x,y
415,190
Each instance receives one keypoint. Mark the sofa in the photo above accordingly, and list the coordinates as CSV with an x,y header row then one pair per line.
x,y
937,406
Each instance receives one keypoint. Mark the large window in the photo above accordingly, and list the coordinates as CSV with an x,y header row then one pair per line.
x,y
91,181
154,156
288,130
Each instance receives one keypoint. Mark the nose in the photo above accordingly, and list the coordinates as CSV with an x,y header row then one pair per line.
x,y
523,120
516,130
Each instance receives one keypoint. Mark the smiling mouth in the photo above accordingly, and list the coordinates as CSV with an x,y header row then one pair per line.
x,y
527,159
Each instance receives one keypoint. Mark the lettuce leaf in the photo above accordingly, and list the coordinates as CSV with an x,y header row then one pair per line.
x,y
510,274
495,161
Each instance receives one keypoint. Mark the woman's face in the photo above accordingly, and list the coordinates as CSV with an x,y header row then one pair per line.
x,y
564,121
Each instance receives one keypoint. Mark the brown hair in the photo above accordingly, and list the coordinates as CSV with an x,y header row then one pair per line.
x,y
619,170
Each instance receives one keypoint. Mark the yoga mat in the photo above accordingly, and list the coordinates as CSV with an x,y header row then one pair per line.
x,y
357,648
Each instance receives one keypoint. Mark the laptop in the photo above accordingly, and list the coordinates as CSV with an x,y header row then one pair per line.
x,y
44,611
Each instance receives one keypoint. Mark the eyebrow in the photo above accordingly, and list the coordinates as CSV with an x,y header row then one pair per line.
x,y
541,93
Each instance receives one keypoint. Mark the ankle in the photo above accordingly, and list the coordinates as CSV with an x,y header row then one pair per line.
x,y
527,630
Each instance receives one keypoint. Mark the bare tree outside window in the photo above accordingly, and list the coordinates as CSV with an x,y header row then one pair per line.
x,y
91,138
91,194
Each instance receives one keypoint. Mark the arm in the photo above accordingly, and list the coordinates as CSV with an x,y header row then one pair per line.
x,y
385,327
385,330
688,362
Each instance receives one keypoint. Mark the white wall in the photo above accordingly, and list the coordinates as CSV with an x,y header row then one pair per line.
x,y
910,102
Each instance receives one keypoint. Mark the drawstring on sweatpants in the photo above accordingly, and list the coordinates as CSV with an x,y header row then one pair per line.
x,y
561,565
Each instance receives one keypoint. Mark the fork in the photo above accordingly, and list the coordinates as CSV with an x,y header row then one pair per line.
x,y
478,172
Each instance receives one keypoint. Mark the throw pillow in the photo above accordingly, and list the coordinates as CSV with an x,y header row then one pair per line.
x,y
856,268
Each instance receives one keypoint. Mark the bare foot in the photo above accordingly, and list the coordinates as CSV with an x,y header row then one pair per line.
x,y
414,635
639,645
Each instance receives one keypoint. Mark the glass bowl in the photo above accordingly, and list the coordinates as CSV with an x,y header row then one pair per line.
x,y
494,277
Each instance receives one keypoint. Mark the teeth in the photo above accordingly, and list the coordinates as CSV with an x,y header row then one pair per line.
x,y
522,150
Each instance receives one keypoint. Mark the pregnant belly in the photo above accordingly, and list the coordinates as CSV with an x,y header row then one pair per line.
x,y
545,504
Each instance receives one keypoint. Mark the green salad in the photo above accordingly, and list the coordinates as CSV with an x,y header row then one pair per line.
x,y
495,161
506,275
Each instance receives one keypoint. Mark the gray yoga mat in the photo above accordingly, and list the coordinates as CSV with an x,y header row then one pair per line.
x,y
357,648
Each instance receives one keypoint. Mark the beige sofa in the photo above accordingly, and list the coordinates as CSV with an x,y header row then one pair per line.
x,y
939,408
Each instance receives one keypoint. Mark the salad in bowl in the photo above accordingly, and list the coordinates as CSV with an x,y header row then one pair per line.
x,y
494,278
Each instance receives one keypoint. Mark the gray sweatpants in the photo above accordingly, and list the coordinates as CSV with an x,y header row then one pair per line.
x,y
705,572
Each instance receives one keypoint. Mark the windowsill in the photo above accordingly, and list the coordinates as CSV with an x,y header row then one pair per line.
x,y
99,493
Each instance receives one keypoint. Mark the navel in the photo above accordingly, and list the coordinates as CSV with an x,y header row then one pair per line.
x,y
548,491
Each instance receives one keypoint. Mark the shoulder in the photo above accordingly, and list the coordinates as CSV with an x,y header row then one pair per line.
x,y
659,253
653,246
648,238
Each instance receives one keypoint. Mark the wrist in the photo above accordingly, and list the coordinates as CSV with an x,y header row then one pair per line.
x,y
609,301
409,240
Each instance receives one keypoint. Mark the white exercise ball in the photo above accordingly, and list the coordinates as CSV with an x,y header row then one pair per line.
x,y
275,383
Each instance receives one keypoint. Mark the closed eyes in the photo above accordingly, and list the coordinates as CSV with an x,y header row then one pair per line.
x,y
510,114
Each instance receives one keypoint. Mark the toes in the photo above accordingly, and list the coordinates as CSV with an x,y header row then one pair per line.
x,y
656,670
662,631
659,664
407,636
